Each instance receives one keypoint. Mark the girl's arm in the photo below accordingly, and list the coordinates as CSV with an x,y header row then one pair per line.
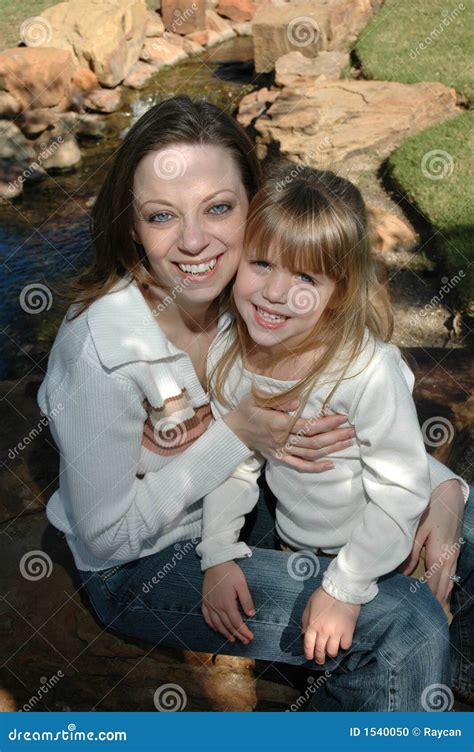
x,y
99,431
395,479
224,511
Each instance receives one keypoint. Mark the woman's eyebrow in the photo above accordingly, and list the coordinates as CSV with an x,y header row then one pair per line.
x,y
207,198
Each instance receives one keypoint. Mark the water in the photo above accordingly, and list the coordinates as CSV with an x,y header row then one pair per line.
x,y
44,236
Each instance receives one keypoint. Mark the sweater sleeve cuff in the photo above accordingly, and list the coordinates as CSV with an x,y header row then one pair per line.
x,y
339,585
214,554
439,473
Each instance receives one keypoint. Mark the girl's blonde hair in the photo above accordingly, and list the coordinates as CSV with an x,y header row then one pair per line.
x,y
316,222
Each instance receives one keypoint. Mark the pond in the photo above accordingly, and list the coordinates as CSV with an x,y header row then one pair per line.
x,y
44,235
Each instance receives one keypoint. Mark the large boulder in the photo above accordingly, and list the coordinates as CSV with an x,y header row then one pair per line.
x,y
348,126
38,77
105,35
305,25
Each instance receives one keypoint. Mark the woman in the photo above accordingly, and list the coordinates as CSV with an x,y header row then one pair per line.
x,y
137,444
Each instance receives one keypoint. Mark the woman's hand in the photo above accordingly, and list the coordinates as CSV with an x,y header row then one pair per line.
x,y
328,624
440,532
223,588
265,429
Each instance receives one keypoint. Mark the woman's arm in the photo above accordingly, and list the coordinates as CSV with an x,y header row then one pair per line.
x,y
396,483
99,433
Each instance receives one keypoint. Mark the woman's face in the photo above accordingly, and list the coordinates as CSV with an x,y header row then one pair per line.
x,y
190,212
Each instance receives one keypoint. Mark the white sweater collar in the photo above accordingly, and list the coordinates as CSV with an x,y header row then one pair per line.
x,y
124,330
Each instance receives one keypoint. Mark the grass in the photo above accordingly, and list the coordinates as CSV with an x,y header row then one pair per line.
x,y
420,40
445,150
13,13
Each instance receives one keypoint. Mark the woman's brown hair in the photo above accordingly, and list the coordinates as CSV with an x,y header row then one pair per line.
x,y
176,120
315,222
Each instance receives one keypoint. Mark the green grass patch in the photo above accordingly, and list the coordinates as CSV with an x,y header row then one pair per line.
x,y
434,171
420,40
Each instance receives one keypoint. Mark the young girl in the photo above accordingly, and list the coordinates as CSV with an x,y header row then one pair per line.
x,y
308,323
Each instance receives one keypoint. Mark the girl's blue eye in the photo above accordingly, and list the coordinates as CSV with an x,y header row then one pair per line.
x,y
160,217
307,278
219,208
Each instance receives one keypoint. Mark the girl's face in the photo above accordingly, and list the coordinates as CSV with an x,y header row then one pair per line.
x,y
280,308
190,211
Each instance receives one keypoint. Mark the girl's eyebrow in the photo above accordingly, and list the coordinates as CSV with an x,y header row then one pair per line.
x,y
168,203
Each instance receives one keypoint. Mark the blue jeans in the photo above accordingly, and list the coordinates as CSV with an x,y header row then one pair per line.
x,y
400,648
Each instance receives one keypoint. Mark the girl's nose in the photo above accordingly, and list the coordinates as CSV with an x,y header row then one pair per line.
x,y
192,239
276,290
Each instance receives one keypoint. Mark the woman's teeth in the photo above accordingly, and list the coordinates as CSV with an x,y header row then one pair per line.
x,y
270,317
198,268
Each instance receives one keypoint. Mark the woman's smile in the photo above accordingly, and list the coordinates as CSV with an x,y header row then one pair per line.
x,y
195,271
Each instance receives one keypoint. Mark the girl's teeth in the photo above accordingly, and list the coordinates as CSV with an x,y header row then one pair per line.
x,y
198,268
270,317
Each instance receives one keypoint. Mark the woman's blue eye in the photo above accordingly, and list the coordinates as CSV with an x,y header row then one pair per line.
x,y
307,278
261,264
219,208
160,218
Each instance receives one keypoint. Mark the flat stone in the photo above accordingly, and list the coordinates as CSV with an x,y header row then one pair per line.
x,y
161,53
139,75
243,29
348,126
215,23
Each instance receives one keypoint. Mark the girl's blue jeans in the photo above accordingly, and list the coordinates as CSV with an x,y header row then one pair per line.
x,y
402,645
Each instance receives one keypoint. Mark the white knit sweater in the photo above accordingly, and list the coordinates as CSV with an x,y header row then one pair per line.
x,y
366,510
138,445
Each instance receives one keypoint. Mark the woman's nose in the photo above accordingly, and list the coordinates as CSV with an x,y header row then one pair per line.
x,y
193,238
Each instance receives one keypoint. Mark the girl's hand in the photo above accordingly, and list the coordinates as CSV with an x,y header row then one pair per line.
x,y
328,624
440,532
265,429
223,588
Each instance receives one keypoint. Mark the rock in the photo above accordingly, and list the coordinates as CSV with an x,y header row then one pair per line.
x,y
34,122
38,77
348,126
103,100
139,75
254,104
192,48
237,10
305,25
89,126
105,35
84,79
154,25
58,149
222,27
294,69
7,702
243,29
9,107
183,16
389,232
161,53
17,162
199,37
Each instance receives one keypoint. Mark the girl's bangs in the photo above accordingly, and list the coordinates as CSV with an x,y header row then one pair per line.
x,y
301,243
